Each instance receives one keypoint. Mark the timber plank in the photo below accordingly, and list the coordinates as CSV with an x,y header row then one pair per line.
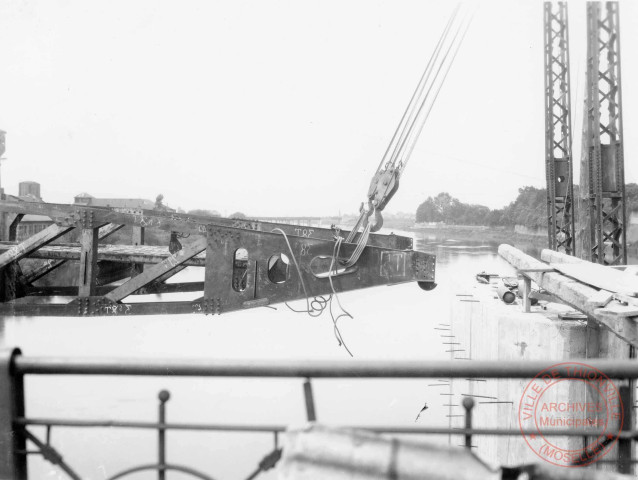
x,y
573,293
600,276
600,299
110,253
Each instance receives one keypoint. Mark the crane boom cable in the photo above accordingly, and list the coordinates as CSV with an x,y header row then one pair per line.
x,y
405,119
413,139
417,107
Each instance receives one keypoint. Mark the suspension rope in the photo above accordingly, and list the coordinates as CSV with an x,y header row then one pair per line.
x,y
411,124
409,110
414,138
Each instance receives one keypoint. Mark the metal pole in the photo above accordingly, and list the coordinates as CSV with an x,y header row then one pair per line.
x,y
311,413
163,396
315,369
12,464
625,445
527,288
468,405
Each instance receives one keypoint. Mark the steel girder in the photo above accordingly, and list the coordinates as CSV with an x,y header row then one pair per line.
x,y
558,130
245,265
604,138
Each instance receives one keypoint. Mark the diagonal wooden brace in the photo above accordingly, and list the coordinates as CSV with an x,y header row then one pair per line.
x,y
51,265
13,228
156,271
21,250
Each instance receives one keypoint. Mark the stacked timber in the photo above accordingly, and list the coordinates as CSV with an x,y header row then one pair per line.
x,y
604,294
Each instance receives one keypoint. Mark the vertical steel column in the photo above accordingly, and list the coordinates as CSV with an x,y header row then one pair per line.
x,y
558,130
13,464
138,239
88,262
603,158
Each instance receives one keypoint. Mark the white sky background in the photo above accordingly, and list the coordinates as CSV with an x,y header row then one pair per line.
x,y
279,107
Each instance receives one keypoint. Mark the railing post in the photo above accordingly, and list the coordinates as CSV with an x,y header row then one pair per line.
x,y
625,445
13,460
311,413
468,405
527,288
163,396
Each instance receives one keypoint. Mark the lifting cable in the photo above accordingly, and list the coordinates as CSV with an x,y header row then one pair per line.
x,y
385,181
408,115
408,136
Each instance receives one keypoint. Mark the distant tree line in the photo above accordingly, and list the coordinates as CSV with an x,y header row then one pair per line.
x,y
529,209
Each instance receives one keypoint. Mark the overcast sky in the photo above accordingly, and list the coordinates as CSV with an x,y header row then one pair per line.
x,y
278,107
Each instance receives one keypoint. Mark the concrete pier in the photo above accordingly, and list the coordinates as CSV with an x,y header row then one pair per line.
x,y
485,328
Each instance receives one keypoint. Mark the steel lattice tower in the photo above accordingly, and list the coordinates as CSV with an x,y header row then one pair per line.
x,y
602,165
558,130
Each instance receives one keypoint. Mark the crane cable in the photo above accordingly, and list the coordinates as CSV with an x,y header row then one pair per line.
x,y
413,137
409,110
410,135
405,136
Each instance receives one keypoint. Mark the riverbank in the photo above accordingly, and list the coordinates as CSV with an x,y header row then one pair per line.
x,y
477,234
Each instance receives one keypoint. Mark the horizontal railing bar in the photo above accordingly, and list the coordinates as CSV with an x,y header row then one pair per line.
x,y
72,423
315,369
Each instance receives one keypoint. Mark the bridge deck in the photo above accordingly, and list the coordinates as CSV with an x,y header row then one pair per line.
x,y
111,253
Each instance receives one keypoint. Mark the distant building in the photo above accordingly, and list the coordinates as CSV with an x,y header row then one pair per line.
x,y
32,189
83,198
32,224
90,201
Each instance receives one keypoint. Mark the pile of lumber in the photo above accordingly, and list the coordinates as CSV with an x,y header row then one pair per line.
x,y
606,294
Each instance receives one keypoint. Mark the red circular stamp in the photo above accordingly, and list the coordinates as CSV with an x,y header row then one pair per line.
x,y
573,397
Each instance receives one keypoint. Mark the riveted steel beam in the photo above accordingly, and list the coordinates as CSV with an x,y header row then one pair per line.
x,y
246,269
184,223
261,275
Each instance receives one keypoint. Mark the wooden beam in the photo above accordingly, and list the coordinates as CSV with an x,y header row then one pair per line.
x,y
551,256
600,298
88,262
32,243
156,271
575,294
51,265
600,276
13,228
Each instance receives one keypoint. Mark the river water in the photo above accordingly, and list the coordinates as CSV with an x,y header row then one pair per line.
x,y
390,323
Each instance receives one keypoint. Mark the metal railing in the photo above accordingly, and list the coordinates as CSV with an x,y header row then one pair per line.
x,y
15,434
